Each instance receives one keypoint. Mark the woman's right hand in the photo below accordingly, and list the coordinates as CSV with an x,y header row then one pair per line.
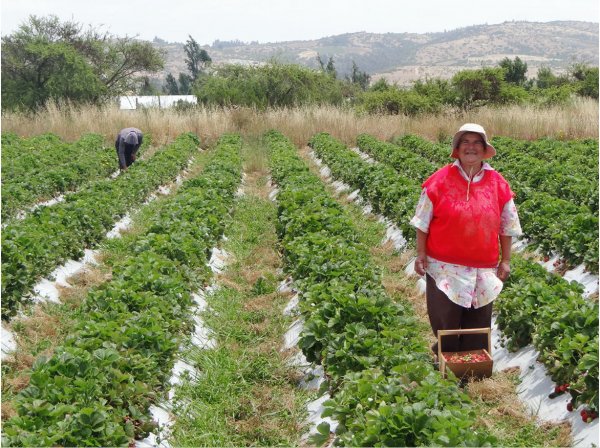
x,y
421,264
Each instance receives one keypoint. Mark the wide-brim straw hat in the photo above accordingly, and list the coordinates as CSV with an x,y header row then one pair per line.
x,y
490,151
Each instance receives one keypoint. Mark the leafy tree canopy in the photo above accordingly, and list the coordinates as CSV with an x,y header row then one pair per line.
x,y
46,59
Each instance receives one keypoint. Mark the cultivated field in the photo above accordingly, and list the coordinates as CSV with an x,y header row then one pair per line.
x,y
248,299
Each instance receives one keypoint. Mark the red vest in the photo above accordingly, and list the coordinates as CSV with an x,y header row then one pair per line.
x,y
466,232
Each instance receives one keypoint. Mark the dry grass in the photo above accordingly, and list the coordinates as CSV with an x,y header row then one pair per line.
x,y
503,404
579,120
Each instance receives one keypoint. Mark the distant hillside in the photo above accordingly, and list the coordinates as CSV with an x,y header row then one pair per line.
x,y
405,57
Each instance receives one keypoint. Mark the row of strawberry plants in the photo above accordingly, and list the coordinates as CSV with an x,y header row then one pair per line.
x,y
385,389
22,156
552,224
573,180
528,308
96,389
390,194
569,152
405,162
540,308
35,246
37,169
26,188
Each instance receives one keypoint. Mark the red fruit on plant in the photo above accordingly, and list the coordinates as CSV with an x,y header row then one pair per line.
x,y
557,390
570,406
583,412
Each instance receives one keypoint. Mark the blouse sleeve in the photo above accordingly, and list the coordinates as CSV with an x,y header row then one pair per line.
x,y
424,213
509,220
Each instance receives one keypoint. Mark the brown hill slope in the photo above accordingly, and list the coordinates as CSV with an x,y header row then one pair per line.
x,y
404,57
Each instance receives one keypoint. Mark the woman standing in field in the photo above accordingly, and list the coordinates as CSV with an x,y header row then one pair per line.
x,y
465,221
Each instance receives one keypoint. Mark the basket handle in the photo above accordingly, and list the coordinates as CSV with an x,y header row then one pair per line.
x,y
440,333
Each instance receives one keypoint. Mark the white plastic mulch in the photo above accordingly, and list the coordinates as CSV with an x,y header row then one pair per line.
x,y
312,375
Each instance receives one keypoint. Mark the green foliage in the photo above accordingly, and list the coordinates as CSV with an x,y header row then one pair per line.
x,y
514,71
358,77
270,85
478,87
46,59
395,101
33,247
438,90
328,68
554,95
547,79
197,59
380,85
586,80
170,87
185,84
544,309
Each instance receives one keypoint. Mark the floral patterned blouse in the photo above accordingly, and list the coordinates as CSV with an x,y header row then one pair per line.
x,y
464,285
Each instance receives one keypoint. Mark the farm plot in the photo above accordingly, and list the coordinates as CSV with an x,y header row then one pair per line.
x,y
532,300
377,364
39,168
99,386
33,247
96,389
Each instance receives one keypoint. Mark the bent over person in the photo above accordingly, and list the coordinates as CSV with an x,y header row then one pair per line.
x,y
128,142
465,221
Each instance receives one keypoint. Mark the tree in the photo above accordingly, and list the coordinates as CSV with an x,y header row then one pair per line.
x,y
478,87
46,59
40,61
585,79
185,84
197,58
360,78
126,58
170,86
514,71
547,79
329,68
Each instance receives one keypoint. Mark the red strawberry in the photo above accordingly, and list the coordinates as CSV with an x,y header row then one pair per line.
x,y
583,412
557,390
570,406
584,415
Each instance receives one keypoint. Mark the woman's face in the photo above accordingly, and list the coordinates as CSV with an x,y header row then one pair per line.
x,y
471,149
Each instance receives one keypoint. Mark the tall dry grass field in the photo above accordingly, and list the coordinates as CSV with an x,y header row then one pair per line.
x,y
579,120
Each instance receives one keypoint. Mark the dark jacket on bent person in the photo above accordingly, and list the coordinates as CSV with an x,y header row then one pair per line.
x,y
127,143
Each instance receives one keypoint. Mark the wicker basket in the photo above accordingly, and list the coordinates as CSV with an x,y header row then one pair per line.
x,y
480,369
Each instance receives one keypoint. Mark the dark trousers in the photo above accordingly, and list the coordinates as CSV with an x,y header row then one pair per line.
x,y
444,314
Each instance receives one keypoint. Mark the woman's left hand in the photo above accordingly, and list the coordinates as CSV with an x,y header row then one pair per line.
x,y
503,270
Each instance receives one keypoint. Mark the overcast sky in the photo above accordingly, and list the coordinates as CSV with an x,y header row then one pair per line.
x,y
282,20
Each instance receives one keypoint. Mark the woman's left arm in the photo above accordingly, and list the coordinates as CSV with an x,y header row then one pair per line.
x,y
504,266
